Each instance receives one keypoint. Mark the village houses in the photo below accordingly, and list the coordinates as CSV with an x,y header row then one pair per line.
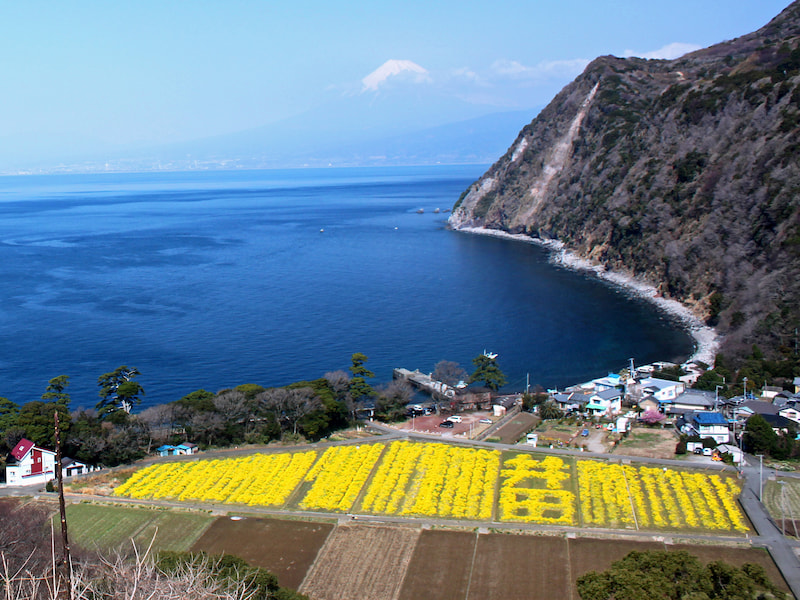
x,y
29,464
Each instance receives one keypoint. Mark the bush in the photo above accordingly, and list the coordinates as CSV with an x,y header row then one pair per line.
x,y
680,447
229,570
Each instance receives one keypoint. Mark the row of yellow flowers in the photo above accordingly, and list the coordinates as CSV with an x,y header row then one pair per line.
x,y
259,479
436,480
449,481
339,476
622,495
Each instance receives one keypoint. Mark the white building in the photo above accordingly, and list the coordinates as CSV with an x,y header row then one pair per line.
x,y
663,390
711,425
608,402
30,464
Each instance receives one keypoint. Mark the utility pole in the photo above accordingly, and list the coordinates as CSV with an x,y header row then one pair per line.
x,y
783,506
760,476
66,562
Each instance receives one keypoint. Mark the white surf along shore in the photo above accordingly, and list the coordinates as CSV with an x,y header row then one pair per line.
x,y
706,339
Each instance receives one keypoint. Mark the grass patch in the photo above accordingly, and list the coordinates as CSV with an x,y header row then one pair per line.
x,y
109,528
782,503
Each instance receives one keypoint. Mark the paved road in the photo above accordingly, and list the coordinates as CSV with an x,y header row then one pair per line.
x,y
769,535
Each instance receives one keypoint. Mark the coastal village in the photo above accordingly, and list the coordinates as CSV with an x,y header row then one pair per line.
x,y
599,414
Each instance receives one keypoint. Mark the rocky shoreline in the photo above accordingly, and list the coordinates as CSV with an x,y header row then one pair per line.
x,y
706,339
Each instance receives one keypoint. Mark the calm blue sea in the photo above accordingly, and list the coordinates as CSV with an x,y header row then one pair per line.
x,y
210,280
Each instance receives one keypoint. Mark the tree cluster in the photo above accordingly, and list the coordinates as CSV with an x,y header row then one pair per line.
x,y
760,438
112,433
779,370
675,575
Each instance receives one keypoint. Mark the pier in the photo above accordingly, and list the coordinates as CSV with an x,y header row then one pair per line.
x,y
426,383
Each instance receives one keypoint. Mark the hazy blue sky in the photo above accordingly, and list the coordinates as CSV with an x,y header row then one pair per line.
x,y
87,73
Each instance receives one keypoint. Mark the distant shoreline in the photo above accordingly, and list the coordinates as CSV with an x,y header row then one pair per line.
x,y
706,338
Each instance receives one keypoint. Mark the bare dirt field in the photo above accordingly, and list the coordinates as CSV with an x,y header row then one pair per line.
x,y
516,427
286,548
643,441
440,566
361,561
520,566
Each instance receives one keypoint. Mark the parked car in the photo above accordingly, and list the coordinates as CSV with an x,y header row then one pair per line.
x,y
454,419
585,433
447,424
485,421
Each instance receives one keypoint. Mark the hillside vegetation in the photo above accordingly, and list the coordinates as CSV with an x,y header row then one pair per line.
x,y
683,173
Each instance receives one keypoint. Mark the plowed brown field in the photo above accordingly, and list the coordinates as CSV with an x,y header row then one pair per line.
x,y
360,562
440,566
520,566
357,561
286,548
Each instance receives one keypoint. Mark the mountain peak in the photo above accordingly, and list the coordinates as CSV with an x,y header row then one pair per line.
x,y
391,69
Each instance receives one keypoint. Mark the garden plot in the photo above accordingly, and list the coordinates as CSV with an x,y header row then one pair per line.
x,y
286,548
361,561
440,567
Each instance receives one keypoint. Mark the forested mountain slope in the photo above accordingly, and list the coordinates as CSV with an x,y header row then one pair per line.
x,y
684,173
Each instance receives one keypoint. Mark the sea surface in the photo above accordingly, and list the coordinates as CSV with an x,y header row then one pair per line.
x,y
213,279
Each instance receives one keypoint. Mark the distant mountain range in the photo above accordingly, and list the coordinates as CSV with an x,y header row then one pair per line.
x,y
396,131
302,142
684,173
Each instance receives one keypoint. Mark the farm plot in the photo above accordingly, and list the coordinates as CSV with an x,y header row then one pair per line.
x,y
537,491
440,567
338,476
422,479
519,566
361,561
257,479
655,443
520,424
624,496
434,480
782,499
111,528
285,548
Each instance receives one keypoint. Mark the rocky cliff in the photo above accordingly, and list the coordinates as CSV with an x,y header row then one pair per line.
x,y
684,173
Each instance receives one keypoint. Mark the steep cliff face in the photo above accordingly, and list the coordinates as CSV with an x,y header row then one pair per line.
x,y
684,173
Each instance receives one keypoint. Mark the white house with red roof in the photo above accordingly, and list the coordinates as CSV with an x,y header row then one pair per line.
x,y
28,464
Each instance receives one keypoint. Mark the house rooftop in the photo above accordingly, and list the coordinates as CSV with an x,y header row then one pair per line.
x,y
696,398
609,394
709,418
759,407
780,422
658,384
22,448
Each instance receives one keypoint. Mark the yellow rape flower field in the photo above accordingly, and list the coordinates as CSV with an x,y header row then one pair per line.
x,y
437,480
